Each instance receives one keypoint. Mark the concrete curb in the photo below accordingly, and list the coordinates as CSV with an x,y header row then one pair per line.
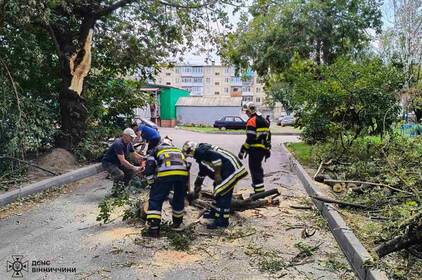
x,y
355,252
60,180
240,132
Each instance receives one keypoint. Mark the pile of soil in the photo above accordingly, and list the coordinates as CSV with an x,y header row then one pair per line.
x,y
57,160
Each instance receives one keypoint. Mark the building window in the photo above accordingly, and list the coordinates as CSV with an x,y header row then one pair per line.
x,y
227,80
168,83
247,98
196,69
177,69
208,80
168,74
177,80
197,80
217,73
258,89
226,90
217,83
186,80
235,89
258,99
227,70
217,93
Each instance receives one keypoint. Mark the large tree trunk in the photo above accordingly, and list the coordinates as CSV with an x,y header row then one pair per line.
x,y
73,112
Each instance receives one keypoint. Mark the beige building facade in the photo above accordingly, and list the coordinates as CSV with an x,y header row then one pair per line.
x,y
213,80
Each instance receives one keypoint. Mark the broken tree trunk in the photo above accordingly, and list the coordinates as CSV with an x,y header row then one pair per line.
x,y
75,65
413,236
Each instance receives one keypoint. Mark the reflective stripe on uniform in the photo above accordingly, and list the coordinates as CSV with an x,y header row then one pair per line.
x,y
173,172
226,185
258,146
158,217
150,212
251,132
169,150
262,129
217,162
235,162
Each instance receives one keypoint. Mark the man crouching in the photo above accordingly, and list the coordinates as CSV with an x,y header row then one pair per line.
x,y
225,169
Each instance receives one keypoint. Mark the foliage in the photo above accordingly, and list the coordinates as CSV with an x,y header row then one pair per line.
x,y
415,102
26,124
111,101
345,98
41,43
401,40
321,30
95,143
180,241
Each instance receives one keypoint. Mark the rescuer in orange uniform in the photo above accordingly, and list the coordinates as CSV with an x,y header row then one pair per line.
x,y
257,145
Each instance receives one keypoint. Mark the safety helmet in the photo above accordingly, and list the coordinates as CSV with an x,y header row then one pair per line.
x,y
167,140
249,107
189,148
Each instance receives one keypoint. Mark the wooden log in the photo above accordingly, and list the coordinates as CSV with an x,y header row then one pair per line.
x,y
412,237
238,204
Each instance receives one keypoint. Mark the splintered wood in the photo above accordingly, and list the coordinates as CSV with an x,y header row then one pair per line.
x,y
79,70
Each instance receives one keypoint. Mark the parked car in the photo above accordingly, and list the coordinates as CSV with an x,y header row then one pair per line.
x,y
286,120
230,122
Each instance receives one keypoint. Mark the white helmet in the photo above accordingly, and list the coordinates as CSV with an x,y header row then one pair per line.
x,y
249,107
167,140
189,148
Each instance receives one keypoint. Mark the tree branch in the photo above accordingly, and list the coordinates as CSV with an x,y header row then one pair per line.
x,y
108,10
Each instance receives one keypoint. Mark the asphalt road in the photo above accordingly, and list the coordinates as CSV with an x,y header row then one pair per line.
x,y
62,233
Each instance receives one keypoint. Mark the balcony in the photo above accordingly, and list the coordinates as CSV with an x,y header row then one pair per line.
x,y
236,81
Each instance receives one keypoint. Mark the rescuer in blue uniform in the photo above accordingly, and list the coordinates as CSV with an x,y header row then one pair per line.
x,y
166,170
225,169
149,134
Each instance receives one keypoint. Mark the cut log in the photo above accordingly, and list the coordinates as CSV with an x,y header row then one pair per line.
x,y
339,187
238,204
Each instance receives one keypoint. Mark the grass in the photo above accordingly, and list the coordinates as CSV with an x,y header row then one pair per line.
x,y
301,151
209,129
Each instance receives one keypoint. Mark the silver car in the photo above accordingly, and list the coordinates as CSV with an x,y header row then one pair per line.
x,y
286,120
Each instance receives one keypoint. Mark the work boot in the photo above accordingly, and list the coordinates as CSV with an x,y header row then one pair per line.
x,y
177,224
218,223
209,214
153,229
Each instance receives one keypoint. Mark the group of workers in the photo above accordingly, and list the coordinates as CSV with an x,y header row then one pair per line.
x,y
167,169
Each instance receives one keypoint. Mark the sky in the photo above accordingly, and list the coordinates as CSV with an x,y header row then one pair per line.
x,y
193,57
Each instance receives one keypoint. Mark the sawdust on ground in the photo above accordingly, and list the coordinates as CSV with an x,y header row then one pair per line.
x,y
171,258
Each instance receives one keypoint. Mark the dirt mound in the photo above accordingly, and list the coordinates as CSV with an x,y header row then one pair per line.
x,y
58,160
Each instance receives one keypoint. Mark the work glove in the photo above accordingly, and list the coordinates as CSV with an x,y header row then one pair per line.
x,y
198,184
243,153
218,179
267,155
150,180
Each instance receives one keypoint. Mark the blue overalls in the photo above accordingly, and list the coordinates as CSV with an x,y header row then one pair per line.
x,y
232,171
167,166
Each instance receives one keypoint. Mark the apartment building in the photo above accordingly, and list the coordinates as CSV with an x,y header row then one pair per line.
x,y
213,80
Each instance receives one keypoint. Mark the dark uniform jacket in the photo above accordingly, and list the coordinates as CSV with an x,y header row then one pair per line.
x,y
209,156
258,134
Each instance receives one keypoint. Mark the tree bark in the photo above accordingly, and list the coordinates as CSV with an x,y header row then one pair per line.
x,y
75,65
412,237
